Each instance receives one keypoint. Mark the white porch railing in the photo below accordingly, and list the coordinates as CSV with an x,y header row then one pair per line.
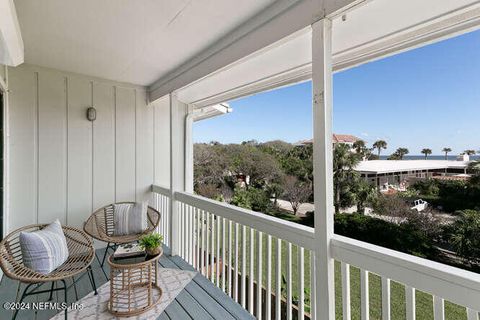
x,y
237,249
161,201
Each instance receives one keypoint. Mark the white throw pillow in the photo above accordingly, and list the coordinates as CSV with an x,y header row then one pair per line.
x,y
129,218
44,250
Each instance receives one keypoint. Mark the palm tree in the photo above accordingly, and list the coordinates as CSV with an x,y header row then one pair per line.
x,y
469,152
474,169
426,152
447,151
379,145
402,152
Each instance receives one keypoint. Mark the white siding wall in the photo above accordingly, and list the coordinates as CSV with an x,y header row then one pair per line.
x,y
162,141
64,166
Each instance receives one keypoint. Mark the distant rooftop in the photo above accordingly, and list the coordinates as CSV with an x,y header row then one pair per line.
x,y
390,166
336,138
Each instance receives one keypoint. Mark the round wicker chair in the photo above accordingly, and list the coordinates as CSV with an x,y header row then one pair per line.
x,y
81,255
100,226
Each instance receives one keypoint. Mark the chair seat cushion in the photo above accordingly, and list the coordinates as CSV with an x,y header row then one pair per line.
x,y
129,218
44,250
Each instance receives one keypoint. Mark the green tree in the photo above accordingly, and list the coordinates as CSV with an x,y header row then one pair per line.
x,y
360,148
469,152
365,195
299,162
344,176
465,237
474,169
254,199
426,152
210,166
379,145
399,154
296,192
249,160
446,150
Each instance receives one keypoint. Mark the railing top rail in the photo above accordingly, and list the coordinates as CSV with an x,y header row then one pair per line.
x,y
453,284
295,233
161,190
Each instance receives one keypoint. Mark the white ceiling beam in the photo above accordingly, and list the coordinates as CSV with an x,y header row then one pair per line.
x,y
255,74
279,20
211,111
11,43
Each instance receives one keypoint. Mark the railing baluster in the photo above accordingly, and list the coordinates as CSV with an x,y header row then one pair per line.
x,y
251,275
472,314
385,298
244,266
184,226
202,255
212,252
438,308
301,283
197,238
188,233
345,269
259,275
312,286
236,261
194,237
230,258
168,220
278,284
364,295
223,254
182,229
289,281
207,246
410,302
191,234
268,302
217,256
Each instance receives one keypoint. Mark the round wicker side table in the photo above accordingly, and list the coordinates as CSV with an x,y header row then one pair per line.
x,y
133,285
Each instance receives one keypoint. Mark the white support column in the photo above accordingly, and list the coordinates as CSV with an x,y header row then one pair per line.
x,y
323,167
178,112
189,150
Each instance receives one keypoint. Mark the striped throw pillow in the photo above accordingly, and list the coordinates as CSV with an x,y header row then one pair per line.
x,y
44,250
129,218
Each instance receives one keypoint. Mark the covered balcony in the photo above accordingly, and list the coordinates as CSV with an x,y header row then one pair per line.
x,y
152,68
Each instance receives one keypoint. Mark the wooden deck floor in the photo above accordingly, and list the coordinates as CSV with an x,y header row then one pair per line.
x,y
200,299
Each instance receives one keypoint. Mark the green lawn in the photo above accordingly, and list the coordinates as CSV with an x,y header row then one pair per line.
x,y
424,304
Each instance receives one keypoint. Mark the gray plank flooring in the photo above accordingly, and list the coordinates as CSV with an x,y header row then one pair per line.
x,y
199,300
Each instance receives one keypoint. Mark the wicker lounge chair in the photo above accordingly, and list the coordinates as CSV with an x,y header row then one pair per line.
x,y
81,255
100,226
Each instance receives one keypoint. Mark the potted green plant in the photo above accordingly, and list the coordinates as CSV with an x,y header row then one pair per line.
x,y
152,243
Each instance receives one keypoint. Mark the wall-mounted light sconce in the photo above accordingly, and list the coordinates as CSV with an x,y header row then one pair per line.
x,y
91,114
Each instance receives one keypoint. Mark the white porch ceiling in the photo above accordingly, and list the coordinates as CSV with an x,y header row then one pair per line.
x,y
372,30
129,41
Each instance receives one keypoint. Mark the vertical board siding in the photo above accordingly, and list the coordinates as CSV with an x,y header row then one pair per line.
x,y
79,156
125,144
23,155
144,143
161,110
52,147
62,165
103,145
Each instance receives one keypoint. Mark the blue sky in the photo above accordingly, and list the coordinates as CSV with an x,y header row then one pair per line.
x,y
425,98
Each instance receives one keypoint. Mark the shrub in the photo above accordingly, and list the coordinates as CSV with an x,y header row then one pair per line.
x,y
404,237
252,198
428,187
465,236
